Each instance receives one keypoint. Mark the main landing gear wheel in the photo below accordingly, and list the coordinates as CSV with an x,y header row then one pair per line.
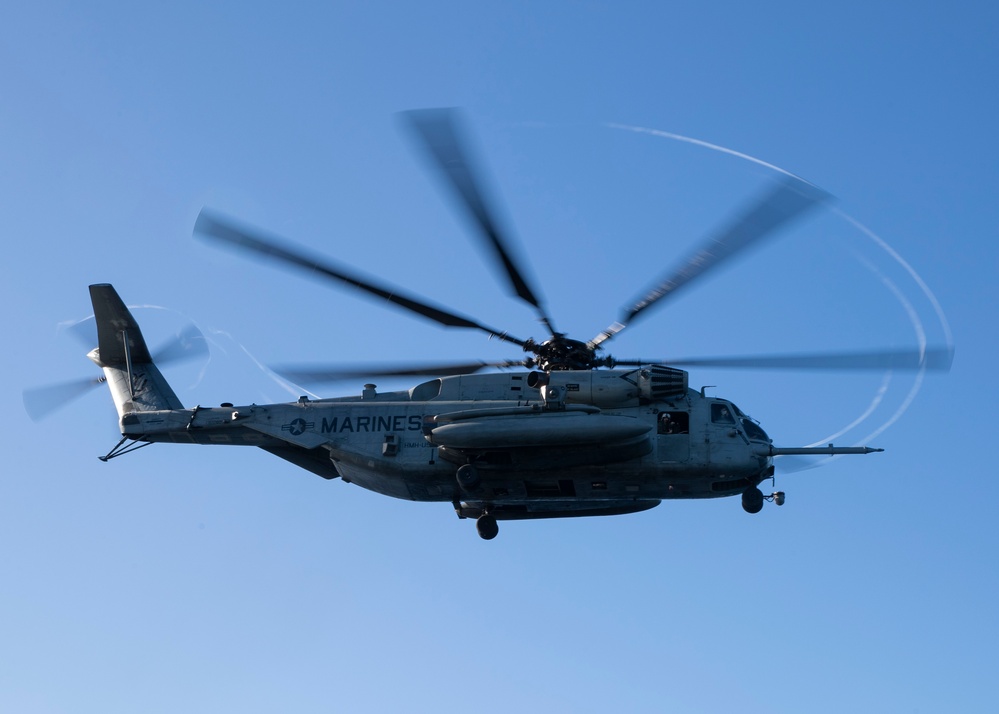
x,y
752,500
468,478
487,526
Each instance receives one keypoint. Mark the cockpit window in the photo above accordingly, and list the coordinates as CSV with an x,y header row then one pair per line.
x,y
754,431
721,414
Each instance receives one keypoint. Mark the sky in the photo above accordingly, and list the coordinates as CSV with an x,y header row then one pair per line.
x,y
212,579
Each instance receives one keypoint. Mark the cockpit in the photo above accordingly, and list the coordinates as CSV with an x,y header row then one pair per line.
x,y
727,413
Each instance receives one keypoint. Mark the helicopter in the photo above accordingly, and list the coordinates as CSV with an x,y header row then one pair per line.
x,y
567,431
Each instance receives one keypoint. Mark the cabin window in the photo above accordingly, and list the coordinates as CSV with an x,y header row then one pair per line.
x,y
673,423
721,413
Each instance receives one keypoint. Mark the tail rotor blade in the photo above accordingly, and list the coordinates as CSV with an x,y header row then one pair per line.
x,y
189,344
83,331
40,402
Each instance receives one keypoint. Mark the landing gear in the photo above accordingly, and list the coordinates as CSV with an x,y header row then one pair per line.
x,y
752,500
468,478
485,522
487,526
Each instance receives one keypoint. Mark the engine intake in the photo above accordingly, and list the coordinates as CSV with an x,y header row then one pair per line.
x,y
659,383
612,388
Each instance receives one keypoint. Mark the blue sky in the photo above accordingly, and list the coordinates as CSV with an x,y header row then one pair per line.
x,y
202,579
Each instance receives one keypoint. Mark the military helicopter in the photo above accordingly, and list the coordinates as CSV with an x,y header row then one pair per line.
x,y
567,431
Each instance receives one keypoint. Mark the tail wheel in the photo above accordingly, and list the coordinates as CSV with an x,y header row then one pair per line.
x,y
487,526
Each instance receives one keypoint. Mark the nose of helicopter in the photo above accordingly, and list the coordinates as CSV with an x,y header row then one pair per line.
x,y
754,431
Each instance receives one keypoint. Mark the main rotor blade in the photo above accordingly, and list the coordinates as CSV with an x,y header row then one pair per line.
x,y
937,359
218,228
791,198
438,132
318,374
39,402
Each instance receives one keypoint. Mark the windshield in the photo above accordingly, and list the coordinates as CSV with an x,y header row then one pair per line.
x,y
754,431
721,413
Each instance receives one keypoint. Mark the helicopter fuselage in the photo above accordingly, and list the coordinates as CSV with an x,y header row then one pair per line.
x,y
534,449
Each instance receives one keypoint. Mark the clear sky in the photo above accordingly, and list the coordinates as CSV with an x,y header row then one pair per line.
x,y
209,579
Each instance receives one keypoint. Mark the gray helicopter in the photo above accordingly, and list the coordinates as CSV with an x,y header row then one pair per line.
x,y
567,431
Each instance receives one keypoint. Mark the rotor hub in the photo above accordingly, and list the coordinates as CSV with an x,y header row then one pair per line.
x,y
561,353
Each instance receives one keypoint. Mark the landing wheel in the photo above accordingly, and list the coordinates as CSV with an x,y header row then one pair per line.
x,y
487,527
468,477
752,500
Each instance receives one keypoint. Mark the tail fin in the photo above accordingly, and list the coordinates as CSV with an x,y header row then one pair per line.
x,y
136,383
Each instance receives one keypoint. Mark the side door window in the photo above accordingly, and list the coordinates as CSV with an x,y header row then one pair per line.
x,y
722,414
674,423
673,440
